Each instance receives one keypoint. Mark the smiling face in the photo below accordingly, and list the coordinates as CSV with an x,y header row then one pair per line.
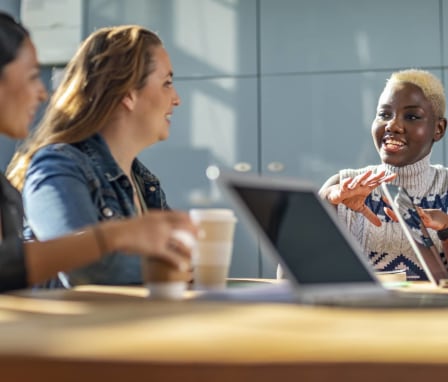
x,y
21,92
405,126
155,102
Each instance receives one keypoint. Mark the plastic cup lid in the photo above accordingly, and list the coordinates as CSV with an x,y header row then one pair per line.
x,y
218,214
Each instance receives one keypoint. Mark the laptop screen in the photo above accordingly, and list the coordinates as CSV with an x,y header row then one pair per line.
x,y
309,242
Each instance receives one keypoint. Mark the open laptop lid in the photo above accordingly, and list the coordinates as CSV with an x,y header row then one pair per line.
x,y
302,232
415,232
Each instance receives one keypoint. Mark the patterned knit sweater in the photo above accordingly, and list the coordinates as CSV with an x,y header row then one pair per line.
x,y
387,247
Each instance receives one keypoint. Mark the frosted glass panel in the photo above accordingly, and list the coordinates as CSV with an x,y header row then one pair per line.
x,y
323,35
203,37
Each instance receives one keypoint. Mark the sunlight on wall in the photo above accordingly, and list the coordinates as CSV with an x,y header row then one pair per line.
x,y
362,48
369,101
213,126
191,22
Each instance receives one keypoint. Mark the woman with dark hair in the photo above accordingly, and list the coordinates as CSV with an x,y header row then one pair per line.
x,y
27,263
80,165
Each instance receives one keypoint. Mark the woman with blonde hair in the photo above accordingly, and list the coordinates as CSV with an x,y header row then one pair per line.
x,y
410,118
79,167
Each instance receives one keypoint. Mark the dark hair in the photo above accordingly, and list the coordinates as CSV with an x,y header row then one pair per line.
x,y
12,35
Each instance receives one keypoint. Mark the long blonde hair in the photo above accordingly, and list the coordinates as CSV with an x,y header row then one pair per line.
x,y
110,62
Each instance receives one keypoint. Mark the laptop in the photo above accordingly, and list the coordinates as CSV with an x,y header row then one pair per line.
x,y
300,231
416,233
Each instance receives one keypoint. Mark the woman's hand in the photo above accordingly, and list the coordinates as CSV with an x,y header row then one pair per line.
x,y
433,218
352,192
168,235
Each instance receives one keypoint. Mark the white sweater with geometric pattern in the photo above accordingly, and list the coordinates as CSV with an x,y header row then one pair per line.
x,y
386,246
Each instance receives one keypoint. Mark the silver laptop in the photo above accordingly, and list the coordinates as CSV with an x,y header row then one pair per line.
x,y
416,233
302,232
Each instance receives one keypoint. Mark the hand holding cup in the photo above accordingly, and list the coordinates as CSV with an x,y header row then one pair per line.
x,y
162,278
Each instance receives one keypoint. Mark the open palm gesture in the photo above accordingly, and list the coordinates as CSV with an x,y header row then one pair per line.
x,y
352,192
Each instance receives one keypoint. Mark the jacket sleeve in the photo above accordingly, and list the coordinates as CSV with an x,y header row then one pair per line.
x,y
58,201
13,273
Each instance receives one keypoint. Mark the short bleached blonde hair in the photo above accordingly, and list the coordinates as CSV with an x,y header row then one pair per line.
x,y
430,85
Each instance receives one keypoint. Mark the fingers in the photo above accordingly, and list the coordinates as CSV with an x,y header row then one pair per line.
x,y
370,215
425,217
177,254
433,218
388,178
180,220
184,274
421,212
168,235
369,179
385,200
345,184
184,237
179,247
390,213
174,221
181,240
360,180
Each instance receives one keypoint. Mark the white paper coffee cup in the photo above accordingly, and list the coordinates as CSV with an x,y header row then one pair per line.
x,y
212,255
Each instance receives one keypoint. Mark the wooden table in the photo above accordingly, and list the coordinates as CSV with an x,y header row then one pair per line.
x,y
117,334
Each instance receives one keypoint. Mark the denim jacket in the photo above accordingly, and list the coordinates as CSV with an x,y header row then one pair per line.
x,y
70,186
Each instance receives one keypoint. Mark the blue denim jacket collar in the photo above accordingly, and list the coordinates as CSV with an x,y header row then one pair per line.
x,y
99,153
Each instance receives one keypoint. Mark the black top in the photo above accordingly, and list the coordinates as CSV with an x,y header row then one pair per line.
x,y
13,273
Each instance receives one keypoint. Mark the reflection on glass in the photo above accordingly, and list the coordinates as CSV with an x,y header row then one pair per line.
x,y
410,215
